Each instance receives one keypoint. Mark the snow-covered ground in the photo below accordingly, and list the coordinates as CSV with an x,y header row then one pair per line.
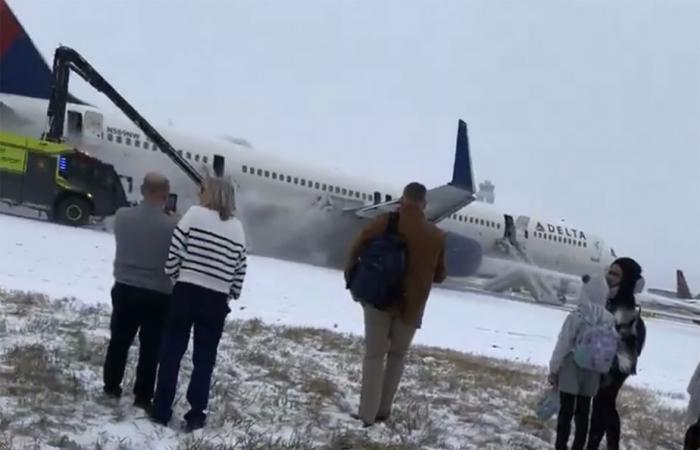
x,y
65,262
274,387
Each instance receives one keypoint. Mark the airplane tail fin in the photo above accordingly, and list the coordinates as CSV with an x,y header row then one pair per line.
x,y
682,289
462,174
23,71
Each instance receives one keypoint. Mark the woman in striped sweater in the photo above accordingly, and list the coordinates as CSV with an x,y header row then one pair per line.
x,y
207,263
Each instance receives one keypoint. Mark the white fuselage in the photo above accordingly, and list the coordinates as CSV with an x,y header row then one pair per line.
x,y
300,196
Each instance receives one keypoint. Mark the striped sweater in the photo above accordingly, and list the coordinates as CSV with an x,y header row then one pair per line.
x,y
209,252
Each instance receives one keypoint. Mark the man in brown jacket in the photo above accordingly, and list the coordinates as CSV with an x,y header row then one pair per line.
x,y
391,331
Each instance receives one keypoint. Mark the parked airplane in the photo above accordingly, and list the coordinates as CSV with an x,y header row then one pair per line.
x,y
682,290
302,211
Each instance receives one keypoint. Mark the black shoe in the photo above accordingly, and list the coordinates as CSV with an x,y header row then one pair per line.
x,y
143,403
380,419
115,392
190,425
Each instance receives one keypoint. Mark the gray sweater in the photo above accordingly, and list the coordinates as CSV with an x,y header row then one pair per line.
x,y
143,236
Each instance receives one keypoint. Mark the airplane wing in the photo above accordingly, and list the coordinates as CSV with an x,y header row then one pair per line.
x,y
10,116
442,201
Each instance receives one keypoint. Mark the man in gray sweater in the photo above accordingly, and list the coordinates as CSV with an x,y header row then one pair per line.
x,y
141,291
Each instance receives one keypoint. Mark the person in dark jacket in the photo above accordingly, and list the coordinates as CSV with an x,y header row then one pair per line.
x,y
625,279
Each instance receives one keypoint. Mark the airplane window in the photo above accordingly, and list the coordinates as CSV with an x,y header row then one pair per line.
x,y
324,187
337,190
481,221
289,179
274,175
345,191
188,155
585,244
145,145
296,180
196,157
498,226
351,193
318,185
260,172
179,152
357,195
119,139
303,182
137,143
110,137
267,174
128,141
245,169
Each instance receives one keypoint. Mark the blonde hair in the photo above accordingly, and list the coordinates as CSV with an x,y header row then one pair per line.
x,y
219,195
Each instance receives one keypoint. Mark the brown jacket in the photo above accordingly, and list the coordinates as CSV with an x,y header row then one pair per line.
x,y
425,251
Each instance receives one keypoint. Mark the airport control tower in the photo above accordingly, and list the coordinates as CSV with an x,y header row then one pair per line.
x,y
486,192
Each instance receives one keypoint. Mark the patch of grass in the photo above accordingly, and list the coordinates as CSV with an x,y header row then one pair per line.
x,y
251,328
323,340
648,421
321,387
261,359
349,440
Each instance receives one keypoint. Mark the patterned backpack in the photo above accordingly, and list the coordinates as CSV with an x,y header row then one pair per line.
x,y
596,347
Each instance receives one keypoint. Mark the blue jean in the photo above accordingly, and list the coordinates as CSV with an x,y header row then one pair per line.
x,y
206,311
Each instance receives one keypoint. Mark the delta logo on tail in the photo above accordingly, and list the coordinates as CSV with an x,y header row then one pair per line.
x,y
23,71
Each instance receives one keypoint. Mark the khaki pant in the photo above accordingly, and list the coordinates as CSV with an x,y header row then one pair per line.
x,y
384,334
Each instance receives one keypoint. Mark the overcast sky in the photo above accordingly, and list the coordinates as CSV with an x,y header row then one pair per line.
x,y
587,111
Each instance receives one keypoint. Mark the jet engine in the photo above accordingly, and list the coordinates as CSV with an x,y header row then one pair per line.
x,y
463,255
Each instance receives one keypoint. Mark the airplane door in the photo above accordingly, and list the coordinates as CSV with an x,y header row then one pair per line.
x,y
521,224
597,251
219,165
93,123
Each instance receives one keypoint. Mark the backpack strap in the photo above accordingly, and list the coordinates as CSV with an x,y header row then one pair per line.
x,y
393,225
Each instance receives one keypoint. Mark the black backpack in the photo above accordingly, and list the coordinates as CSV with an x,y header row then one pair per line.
x,y
377,276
